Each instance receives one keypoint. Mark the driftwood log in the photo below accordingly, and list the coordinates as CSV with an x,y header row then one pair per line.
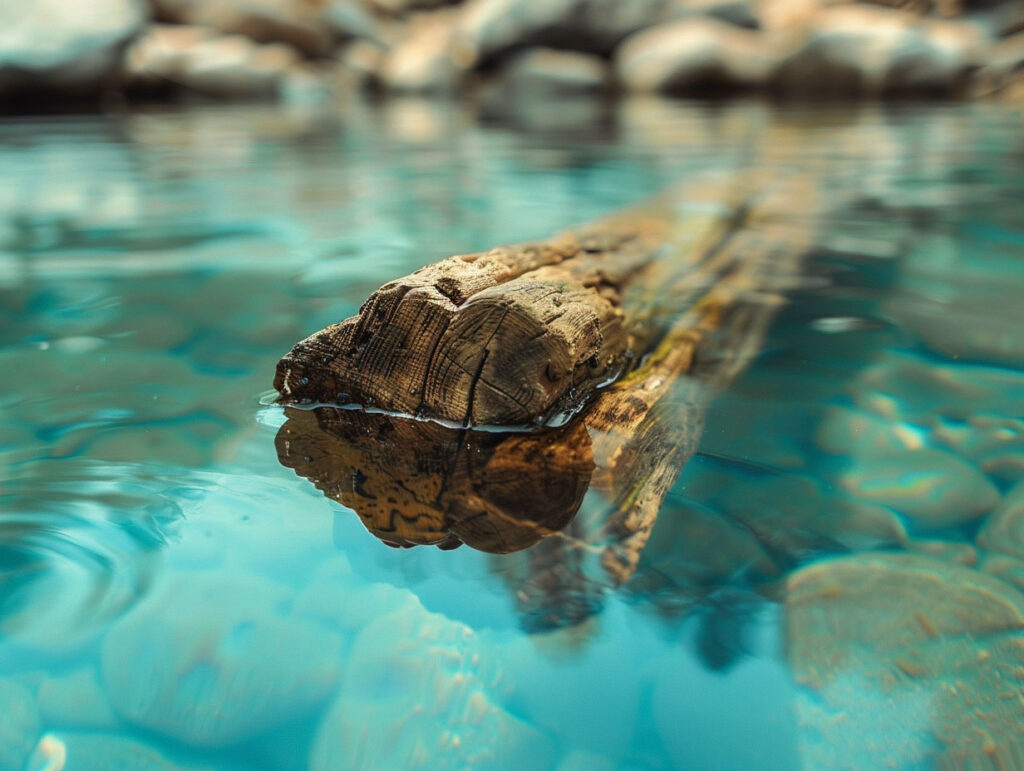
x,y
512,336
718,280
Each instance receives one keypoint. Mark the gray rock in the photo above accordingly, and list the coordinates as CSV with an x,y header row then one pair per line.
x,y
65,44
420,689
907,662
865,50
1004,529
211,660
693,55
19,726
550,71
934,488
490,29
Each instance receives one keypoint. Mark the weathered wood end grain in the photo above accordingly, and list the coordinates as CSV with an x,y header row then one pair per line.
x,y
510,336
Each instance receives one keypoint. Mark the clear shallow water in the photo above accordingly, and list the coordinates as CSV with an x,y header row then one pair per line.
x,y
834,581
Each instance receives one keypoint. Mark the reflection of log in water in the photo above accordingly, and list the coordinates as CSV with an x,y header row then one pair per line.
x,y
705,306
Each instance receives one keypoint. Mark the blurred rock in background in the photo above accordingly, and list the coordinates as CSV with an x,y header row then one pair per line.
x,y
322,50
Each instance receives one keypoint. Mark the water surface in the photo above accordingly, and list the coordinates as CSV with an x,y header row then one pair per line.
x,y
834,581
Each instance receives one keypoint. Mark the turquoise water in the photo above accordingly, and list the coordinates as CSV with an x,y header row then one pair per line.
x,y
834,581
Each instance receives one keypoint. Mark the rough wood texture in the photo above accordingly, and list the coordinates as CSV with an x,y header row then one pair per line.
x,y
511,336
415,482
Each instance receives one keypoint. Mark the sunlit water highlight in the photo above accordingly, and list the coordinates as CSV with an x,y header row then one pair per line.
x,y
171,596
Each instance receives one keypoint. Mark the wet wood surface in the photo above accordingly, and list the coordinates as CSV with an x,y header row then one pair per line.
x,y
704,306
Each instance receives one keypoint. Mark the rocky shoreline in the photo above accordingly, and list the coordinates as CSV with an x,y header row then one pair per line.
x,y
326,50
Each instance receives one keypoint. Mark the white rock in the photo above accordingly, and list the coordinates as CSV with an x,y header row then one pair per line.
x,y
65,43
211,659
420,690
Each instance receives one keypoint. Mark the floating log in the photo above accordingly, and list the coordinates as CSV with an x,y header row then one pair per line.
x,y
417,482
512,336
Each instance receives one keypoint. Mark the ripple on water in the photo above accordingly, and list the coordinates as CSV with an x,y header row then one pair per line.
x,y
80,541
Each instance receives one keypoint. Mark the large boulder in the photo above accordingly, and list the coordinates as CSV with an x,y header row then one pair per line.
x,y
865,50
212,660
490,29
65,44
693,55
907,661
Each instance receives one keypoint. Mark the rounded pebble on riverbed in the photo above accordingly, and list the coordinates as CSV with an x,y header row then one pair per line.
x,y
934,488
1004,529
211,660
917,653
420,690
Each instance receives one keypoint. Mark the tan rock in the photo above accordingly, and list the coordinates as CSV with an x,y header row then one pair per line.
x,y
908,660
693,55
423,61
865,50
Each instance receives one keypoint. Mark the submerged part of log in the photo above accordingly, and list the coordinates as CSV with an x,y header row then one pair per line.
x,y
512,336
418,483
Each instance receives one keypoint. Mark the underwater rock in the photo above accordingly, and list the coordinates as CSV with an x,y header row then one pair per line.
x,y
79,750
1005,568
936,489
75,700
693,55
65,44
19,725
954,552
340,599
211,660
419,691
845,431
923,657
792,513
1004,529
